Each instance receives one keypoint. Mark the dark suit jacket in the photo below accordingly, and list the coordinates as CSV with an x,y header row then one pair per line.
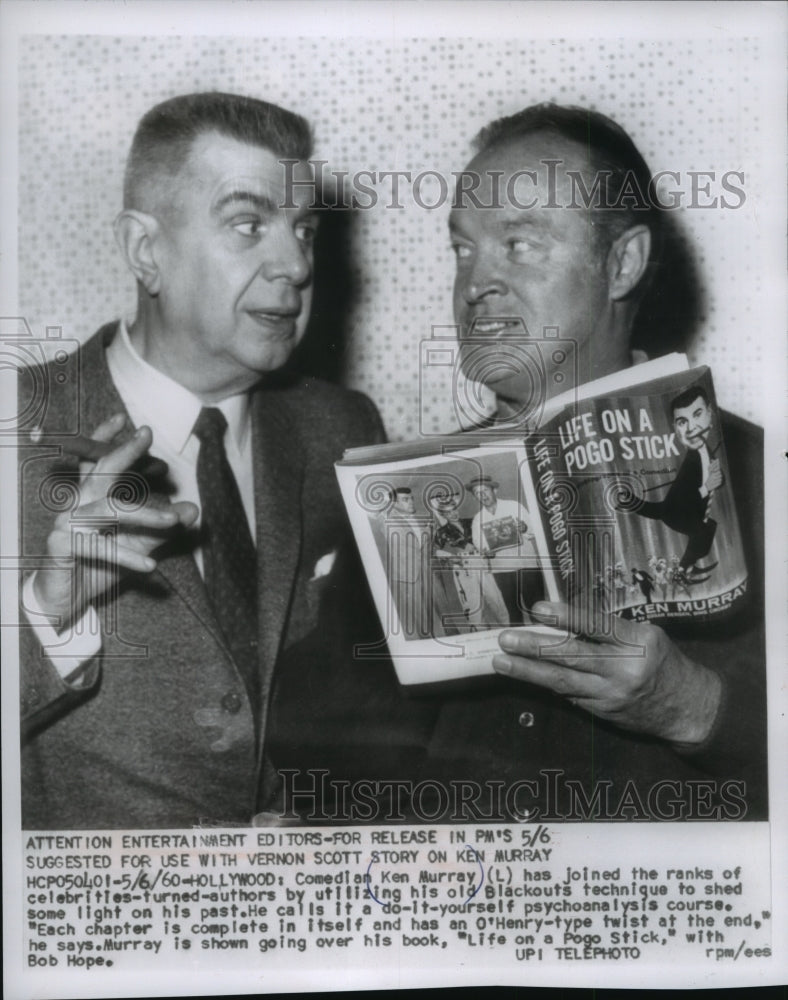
x,y
161,732
682,508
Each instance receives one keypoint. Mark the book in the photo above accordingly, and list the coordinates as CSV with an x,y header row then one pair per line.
x,y
620,502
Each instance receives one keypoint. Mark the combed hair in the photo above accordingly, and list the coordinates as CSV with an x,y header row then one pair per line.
x,y
166,133
688,397
609,149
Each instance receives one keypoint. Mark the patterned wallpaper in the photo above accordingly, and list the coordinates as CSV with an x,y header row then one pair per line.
x,y
413,105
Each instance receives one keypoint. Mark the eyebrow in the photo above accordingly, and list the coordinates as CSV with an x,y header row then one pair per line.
x,y
527,221
510,225
261,202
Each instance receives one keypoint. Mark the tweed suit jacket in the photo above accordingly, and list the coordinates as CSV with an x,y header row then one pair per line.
x,y
160,733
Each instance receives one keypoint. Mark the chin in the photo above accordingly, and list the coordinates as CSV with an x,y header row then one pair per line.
x,y
269,356
488,364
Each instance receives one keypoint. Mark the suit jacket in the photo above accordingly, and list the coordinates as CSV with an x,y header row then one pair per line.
x,y
161,734
407,547
682,508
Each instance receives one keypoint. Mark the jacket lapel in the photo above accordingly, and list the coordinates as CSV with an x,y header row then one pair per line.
x,y
177,568
278,465
278,462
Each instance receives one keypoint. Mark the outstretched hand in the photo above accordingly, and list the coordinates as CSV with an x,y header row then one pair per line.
x,y
102,538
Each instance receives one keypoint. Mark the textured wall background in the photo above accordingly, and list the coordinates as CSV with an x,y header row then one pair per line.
x,y
379,105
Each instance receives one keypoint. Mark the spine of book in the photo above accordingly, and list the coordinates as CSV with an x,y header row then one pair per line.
x,y
556,497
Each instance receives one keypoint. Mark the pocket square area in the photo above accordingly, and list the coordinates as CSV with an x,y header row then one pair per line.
x,y
324,565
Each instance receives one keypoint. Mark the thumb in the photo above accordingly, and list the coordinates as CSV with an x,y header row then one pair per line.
x,y
187,512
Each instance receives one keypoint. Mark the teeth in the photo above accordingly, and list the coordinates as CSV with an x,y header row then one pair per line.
x,y
491,326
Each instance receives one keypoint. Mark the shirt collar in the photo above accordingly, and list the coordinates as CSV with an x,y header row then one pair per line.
x,y
166,406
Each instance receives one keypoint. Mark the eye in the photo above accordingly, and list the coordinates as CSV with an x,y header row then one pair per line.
x,y
248,227
519,245
306,232
460,250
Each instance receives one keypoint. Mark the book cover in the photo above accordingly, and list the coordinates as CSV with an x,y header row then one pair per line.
x,y
621,500
638,482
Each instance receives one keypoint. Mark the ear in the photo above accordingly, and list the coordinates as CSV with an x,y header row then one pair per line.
x,y
135,234
627,261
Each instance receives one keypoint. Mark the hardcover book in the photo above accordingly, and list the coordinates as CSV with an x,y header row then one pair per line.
x,y
620,502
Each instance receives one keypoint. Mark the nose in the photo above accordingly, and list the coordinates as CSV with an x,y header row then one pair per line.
x,y
288,258
481,280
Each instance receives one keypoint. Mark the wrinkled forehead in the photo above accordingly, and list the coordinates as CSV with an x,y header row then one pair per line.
x,y
533,179
218,169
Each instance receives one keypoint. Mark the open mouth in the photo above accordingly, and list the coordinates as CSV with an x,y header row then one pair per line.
x,y
497,326
281,321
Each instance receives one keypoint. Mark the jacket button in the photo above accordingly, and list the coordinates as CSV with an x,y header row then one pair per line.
x,y
231,703
526,720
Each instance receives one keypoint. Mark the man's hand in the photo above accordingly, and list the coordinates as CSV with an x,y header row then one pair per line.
x,y
714,478
73,580
628,673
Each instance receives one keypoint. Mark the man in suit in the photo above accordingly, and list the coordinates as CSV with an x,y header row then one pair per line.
x,y
557,229
685,506
408,563
159,619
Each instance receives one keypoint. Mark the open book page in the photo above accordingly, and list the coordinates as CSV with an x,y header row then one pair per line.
x,y
455,551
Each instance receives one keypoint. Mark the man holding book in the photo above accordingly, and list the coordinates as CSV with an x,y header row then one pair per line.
x,y
557,228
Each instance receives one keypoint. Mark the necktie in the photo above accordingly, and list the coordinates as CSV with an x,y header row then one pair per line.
x,y
229,556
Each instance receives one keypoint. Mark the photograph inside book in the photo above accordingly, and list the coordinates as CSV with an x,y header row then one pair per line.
x,y
621,502
454,551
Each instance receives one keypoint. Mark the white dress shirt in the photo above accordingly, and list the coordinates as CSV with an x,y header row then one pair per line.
x,y
705,464
155,400
170,410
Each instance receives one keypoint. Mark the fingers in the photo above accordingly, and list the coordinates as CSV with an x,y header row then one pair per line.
x,y
111,554
110,428
560,680
600,648
558,652
125,455
70,548
105,432
583,619
157,518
